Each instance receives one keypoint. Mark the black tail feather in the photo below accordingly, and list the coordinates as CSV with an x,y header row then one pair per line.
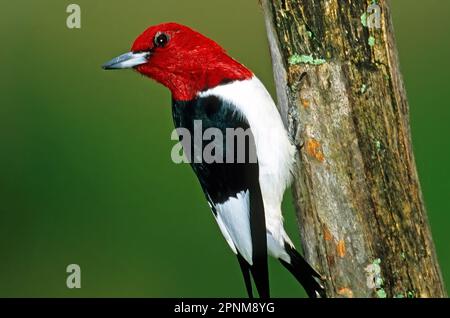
x,y
260,275
245,268
304,273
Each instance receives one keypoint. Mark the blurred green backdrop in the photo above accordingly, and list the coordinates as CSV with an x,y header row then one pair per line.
x,y
85,169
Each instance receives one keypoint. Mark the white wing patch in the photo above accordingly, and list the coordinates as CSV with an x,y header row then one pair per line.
x,y
225,234
233,218
234,222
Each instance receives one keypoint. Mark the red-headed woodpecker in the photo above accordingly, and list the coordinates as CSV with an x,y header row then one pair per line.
x,y
209,86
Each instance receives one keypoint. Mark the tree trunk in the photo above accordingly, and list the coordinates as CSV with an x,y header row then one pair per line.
x,y
362,218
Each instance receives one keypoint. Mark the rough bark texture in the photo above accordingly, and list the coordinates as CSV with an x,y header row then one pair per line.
x,y
362,218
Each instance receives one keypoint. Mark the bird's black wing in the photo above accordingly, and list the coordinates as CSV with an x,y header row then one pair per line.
x,y
232,189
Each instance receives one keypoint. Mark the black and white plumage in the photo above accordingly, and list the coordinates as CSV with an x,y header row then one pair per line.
x,y
245,198
209,86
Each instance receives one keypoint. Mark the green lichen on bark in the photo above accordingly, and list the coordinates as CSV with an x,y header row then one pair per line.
x,y
305,59
363,88
364,19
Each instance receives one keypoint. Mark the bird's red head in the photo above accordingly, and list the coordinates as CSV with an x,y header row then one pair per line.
x,y
182,59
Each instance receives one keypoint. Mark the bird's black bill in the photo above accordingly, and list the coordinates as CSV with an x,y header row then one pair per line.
x,y
127,60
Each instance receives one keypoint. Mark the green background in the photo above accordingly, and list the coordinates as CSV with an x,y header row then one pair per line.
x,y
85,169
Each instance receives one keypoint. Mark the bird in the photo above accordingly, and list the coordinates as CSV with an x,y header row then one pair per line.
x,y
211,88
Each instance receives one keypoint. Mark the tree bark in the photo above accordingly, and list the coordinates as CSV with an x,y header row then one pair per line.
x,y
360,209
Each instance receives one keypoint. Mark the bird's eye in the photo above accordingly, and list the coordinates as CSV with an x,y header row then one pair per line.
x,y
161,39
